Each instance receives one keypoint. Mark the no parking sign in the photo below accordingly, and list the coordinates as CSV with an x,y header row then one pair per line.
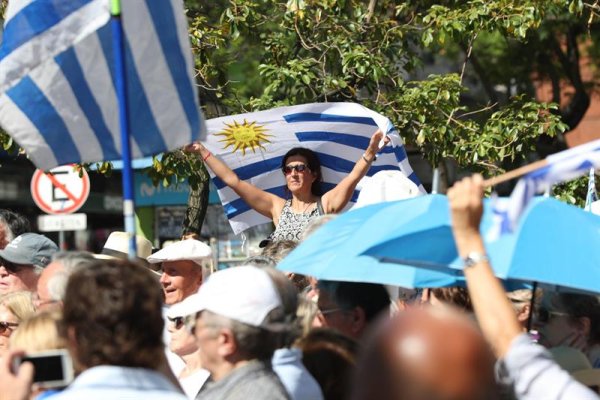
x,y
60,190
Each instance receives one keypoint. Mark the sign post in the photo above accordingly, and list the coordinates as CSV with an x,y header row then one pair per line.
x,y
60,191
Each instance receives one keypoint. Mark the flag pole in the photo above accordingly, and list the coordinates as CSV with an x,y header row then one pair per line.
x,y
515,173
121,88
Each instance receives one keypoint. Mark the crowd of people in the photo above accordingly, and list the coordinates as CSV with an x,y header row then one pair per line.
x,y
167,326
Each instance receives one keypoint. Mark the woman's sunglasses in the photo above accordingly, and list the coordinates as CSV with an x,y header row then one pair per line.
x,y
4,326
544,315
298,167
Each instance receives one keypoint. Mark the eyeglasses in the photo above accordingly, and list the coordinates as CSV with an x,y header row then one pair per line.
x,y
177,322
10,267
327,311
4,326
545,315
298,167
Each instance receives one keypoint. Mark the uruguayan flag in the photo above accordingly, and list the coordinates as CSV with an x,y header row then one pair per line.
x,y
591,195
57,91
254,144
560,167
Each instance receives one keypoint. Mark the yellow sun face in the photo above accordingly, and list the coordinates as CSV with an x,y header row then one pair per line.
x,y
247,135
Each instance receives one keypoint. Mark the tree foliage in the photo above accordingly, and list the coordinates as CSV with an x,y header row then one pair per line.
x,y
456,77
257,54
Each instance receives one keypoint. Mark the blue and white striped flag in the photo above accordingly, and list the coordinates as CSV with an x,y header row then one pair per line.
x,y
560,167
57,90
254,144
591,195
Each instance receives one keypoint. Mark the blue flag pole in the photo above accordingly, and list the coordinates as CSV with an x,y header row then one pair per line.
x,y
121,88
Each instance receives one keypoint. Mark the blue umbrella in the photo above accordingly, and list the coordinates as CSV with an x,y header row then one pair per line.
x,y
555,244
334,251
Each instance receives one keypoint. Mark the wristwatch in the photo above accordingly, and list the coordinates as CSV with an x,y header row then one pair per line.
x,y
474,258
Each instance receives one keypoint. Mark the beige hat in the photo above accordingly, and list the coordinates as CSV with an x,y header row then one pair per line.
x,y
577,364
117,246
189,249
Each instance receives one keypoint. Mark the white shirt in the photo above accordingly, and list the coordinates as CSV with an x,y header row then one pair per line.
x,y
124,383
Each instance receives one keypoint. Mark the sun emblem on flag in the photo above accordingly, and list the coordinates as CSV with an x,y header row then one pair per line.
x,y
247,135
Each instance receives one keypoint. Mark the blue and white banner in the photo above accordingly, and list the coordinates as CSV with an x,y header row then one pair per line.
x,y
253,145
57,86
591,195
560,167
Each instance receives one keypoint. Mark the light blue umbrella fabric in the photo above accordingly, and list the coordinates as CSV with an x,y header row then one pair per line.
x,y
334,251
555,244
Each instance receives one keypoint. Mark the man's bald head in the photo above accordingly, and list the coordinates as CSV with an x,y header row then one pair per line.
x,y
426,354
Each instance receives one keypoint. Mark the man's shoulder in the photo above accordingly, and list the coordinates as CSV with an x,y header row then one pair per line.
x,y
252,382
119,382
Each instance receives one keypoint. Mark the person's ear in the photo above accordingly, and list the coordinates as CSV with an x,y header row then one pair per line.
x,y
523,314
584,324
359,320
226,343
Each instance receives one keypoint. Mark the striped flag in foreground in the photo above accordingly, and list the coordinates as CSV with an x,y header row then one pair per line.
x,y
57,86
254,144
560,167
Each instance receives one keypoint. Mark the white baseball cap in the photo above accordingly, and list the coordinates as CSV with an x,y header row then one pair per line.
x,y
189,249
245,294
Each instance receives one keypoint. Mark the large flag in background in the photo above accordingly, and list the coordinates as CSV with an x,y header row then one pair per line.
x,y
57,91
559,167
253,145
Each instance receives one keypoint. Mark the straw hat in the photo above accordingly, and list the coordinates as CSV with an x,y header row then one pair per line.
x,y
117,246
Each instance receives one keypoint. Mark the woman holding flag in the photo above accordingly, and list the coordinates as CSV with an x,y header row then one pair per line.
x,y
302,172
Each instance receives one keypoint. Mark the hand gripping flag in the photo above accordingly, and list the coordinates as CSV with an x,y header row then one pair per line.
x,y
57,85
254,144
560,167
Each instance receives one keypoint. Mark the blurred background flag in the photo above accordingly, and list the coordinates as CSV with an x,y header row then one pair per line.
x,y
592,195
253,145
556,168
57,87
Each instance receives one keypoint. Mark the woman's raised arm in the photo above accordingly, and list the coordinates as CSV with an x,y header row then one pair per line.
x,y
337,198
261,201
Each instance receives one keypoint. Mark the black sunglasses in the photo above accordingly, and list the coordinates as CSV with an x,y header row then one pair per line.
x,y
177,322
10,267
545,315
4,326
298,167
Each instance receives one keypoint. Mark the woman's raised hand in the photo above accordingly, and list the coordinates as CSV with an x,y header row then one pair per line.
x,y
195,148
378,141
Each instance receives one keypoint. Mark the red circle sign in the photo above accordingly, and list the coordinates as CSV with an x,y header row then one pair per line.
x,y
60,190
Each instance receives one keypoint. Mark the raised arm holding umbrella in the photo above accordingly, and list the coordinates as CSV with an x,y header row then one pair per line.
x,y
528,367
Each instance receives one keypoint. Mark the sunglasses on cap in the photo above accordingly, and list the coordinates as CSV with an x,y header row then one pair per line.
x,y
177,322
545,315
298,167
4,326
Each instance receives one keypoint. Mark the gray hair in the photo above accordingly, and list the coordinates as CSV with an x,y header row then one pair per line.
x,y
315,224
252,342
71,261
14,224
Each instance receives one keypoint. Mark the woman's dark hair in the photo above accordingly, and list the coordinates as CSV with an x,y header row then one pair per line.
x,y
581,306
313,164
330,357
